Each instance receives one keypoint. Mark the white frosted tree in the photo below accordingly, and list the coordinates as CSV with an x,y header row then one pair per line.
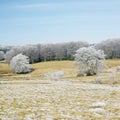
x,y
20,64
1,55
89,60
12,53
111,48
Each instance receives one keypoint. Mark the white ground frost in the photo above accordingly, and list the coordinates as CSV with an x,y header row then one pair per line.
x,y
58,100
98,104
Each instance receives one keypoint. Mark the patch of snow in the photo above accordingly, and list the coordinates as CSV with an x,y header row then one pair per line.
x,y
97,110
50,118
118,68
97,115
98,104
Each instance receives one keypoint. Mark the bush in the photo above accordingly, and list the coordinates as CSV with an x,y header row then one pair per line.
x,y
118,68
54,75
20,64
89,60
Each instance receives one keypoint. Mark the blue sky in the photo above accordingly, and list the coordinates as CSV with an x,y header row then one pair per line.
x,y
45,21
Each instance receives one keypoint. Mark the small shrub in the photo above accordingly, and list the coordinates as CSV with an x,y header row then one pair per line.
x,y
118,69
54,75
112,76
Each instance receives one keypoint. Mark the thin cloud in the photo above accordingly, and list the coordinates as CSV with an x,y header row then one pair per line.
x,y
62,5
80,5
61,19
33,6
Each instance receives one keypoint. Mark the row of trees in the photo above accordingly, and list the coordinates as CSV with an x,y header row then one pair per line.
x,y
58,51
47,52
5,48
111,48
89,60
3,51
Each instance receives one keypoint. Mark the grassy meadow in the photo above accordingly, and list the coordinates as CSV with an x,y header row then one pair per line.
x,y
68,67
33,97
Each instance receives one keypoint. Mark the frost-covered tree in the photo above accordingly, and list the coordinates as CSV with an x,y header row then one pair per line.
x,y
5,48
20,64
12,53
89,60
46,52
32,52
111,48
1,55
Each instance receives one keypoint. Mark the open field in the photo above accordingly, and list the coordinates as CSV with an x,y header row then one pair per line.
x,y
59,100
67,67
32,97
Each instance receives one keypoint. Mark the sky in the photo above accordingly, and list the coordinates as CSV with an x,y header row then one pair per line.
x,y
48,21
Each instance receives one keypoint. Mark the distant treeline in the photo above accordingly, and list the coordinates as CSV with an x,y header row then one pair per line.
x,y
111,48
5,48
46,52
59,51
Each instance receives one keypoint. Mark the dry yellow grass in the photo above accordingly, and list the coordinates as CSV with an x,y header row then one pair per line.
x,y
70,70
66,66
53,66
113,63
44,67
4,70
58,100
